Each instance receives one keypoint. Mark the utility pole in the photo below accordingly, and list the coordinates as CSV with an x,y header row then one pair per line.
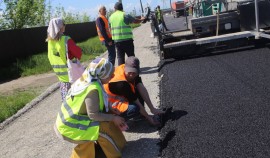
x,y
141,6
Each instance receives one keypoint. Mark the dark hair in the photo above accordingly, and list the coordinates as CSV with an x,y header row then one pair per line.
x,y
118,6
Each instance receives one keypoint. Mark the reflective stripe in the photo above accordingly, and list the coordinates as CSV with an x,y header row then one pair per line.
x,y
120,27
116,98
77,125
74,116
104,135
123,33
59,66
61,73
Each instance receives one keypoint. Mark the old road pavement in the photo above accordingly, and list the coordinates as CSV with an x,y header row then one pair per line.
x,y
32,136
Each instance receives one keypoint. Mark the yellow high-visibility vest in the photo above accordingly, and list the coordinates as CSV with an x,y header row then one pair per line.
x,y
76,126
57,57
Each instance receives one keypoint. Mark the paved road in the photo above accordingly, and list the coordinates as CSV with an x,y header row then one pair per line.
x,y
219,105
32,135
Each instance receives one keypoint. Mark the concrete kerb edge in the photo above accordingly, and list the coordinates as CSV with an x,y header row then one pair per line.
x,y
31,104
34,102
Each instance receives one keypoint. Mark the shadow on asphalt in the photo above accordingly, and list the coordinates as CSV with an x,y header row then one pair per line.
x,y
171,115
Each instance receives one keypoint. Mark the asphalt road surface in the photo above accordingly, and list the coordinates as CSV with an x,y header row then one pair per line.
x,y
217,106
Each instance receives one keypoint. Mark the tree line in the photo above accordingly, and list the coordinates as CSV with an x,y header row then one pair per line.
x,y
19,14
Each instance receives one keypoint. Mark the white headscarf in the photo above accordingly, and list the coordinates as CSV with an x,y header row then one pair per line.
x,y
55,26
100,68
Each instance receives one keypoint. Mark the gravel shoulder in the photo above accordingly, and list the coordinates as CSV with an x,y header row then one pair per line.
x,y
30,133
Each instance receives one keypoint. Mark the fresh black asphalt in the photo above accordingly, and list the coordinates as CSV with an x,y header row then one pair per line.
x,y
216,106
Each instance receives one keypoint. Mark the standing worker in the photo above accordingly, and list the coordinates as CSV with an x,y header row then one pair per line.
x,y
83,118
127,93
160,19
58,46
122,32
104,34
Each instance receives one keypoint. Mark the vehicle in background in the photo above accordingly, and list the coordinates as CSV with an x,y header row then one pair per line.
x,y
218,25
178,9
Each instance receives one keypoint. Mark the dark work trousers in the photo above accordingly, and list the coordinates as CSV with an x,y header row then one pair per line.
x,y
124,47
133,109
163,23
111,52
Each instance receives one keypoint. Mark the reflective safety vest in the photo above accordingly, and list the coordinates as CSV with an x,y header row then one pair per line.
x,y
57,57
119,29
76,126
101,38
158,14
117,101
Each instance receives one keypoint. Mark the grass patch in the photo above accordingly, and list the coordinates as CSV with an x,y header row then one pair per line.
x,y
10,104
91,48
36,64
39,63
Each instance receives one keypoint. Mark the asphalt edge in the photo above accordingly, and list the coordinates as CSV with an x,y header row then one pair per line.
x,y
35,101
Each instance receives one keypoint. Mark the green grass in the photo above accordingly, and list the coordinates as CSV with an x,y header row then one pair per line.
x,y
10,104
91,48
36,64
39,63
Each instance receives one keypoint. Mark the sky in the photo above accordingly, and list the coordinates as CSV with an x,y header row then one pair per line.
x,y
91,6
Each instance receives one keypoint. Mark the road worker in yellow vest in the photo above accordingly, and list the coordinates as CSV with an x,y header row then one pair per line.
x,y
58,46
84,118
122,32
104,33
127,93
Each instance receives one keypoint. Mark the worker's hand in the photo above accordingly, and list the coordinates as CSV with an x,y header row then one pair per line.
x,y
113,109
152,121
142,18
119,122
157,111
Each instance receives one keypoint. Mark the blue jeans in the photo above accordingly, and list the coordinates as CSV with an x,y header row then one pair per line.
x,y
132,111
111,52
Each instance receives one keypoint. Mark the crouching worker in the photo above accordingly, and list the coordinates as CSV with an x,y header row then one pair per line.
x,y
127,93
83,119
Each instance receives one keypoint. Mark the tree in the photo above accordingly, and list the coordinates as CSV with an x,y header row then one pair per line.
x,y
24,13
20,14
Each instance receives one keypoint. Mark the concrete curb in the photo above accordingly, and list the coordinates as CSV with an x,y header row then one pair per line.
x,y
30,105
35,101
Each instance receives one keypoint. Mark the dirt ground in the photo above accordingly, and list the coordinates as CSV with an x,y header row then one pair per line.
x,y
38,82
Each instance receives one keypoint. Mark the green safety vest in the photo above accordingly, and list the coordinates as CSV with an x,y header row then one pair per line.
x,y
119,30
158,14
57,57
76,126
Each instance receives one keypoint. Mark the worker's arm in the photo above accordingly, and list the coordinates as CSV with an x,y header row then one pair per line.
x,y
128,19
145,95
73,50
145,114
94,113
